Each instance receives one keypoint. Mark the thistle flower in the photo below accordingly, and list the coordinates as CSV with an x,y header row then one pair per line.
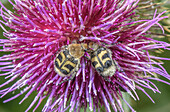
x,y
40,28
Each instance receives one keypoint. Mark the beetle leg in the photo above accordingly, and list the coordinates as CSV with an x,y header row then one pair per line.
x,y
106,79
73,75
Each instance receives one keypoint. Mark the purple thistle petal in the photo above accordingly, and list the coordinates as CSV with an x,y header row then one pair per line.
x,y
145,93
39,102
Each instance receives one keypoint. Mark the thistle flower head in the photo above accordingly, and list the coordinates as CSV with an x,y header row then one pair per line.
x,y
40,28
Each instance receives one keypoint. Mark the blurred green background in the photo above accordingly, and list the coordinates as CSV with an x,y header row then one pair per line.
x,y
162,101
